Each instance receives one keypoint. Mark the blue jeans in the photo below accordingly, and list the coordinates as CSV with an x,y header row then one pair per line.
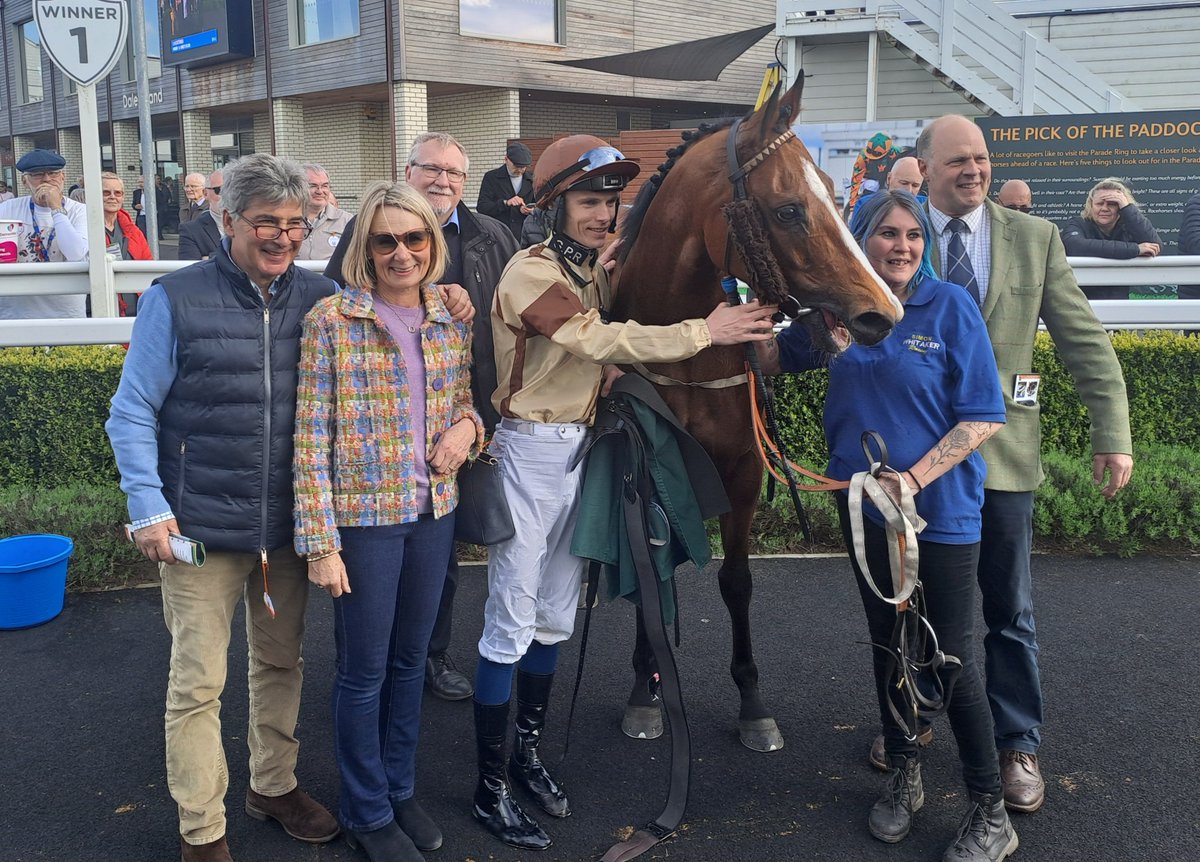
x,y
949,591
382,630
1014,686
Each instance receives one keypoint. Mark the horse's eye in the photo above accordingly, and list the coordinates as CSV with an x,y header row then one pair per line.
x,y
789,213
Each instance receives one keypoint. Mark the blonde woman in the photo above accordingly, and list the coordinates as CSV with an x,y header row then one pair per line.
x,y
383,422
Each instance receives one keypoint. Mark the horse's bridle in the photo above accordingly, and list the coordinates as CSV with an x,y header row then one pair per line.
x,y
746,229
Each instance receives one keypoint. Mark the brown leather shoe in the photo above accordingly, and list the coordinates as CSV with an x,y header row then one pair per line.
x,y
1024,789
217,851
298,814
878,756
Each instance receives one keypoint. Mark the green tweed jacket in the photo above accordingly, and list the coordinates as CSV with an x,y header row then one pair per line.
x,y
1030,278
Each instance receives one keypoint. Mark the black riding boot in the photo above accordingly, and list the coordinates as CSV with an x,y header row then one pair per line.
x,y
495,807
526,768
891,816
985,835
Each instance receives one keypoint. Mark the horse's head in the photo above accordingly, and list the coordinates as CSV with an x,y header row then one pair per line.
x,y
781,233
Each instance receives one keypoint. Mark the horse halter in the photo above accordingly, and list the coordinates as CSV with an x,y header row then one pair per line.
x,y
746,228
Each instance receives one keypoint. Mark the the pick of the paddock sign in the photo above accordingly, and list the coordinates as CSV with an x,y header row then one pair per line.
x,y
84,38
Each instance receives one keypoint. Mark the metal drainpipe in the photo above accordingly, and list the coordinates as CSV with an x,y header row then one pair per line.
x,y
266,16
389,54
179,119
12,146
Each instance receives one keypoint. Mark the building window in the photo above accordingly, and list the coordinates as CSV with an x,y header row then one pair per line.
x,y
323,20
29,62
518,20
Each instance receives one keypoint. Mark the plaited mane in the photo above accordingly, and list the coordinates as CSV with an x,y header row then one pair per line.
x,y
631,226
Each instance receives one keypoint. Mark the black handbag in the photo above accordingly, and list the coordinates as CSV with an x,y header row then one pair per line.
x,y
482,516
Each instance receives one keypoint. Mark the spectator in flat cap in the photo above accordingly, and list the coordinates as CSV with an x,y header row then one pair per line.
x,y
506,193
53,229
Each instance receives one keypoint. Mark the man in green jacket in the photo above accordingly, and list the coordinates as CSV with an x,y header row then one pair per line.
x,y
1016,265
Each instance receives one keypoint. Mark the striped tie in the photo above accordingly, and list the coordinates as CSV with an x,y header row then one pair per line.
x,y
958,263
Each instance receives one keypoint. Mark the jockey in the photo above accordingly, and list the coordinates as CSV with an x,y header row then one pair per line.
x,y
554,354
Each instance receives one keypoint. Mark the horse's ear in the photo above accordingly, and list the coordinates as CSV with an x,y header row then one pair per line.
x,y
788,109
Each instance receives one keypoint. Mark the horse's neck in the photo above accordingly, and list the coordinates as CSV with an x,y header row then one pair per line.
x,y
666,285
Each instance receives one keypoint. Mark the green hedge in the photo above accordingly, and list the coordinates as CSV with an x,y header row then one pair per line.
x,y
54,401
1162,374
53,405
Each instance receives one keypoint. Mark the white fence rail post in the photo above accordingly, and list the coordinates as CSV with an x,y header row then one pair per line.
x,y
134,276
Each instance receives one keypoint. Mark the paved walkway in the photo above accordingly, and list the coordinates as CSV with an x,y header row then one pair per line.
x,y
81,777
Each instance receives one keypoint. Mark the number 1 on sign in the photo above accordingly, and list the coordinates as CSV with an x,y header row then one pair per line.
x,y
81,34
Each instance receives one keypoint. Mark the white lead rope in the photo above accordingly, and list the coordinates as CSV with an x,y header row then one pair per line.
x,y
899,518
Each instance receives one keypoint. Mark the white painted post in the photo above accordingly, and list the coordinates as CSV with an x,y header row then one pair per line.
x,y
872,76
1029,56
104,300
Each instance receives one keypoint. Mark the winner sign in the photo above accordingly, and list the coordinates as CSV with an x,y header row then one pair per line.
x,y
84,38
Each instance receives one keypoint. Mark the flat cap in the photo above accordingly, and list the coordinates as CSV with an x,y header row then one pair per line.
x,y
41,160
519,154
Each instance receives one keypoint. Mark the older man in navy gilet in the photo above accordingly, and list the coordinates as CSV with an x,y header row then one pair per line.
x,y
201,426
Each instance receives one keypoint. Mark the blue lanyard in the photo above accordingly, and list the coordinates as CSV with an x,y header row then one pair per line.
x,y
40,249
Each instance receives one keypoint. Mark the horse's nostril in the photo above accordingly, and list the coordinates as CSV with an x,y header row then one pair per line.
x,y
871,327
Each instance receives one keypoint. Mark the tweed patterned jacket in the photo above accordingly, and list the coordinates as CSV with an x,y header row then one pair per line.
x,y
355,463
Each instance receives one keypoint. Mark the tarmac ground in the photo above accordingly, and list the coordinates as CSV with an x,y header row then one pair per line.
x,y
82,777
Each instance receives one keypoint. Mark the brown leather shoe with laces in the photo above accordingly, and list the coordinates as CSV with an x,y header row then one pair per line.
x,y
298,813
216,851
1024,789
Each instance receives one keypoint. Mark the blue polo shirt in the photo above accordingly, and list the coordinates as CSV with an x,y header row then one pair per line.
x,y
935,370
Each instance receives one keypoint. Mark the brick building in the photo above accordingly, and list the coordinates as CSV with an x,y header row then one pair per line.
x,y
350,84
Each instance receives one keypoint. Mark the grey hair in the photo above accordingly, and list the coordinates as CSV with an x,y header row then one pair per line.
x,y
314,168
261,178
442,138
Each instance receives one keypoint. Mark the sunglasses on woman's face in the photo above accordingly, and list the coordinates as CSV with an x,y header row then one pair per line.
x,y
385,243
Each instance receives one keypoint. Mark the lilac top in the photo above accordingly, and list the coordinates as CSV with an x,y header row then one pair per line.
x,y
404,324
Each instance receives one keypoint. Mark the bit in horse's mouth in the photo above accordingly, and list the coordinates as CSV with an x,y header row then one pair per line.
x,y
828,331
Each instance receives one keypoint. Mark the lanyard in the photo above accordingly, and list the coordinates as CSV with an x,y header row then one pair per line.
x,y
41,250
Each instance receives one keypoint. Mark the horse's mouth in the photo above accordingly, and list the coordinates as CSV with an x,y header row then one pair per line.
x,y
828,331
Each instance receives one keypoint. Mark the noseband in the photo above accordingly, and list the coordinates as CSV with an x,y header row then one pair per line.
x,y
747,230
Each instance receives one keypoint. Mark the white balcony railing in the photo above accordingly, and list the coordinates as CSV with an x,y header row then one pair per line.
x,y
47,279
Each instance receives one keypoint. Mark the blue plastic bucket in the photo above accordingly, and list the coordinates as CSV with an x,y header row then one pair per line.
x,y
33,579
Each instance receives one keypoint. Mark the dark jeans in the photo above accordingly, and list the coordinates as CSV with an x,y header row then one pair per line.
x,y
949,591
439,641
382,629
1014,687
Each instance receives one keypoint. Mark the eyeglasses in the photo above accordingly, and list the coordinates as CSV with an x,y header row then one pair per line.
x,y
324,187
43,175
386,243
434,171
113,193
295,233
1019,207
216,189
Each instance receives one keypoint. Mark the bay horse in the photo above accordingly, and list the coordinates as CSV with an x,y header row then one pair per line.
x,y
784,238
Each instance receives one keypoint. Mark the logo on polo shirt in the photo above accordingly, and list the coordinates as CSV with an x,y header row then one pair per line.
x,y
922,343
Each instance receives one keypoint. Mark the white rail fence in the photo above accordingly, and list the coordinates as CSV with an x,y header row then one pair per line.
x,y
54,279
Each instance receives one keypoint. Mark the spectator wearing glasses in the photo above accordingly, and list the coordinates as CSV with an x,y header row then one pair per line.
x,y
195,204
201,427
1015,195
1110,225
53,229
478,248
375,500
201,236
328,222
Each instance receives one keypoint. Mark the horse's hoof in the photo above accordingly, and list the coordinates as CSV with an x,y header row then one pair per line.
x,y
760,734
642,722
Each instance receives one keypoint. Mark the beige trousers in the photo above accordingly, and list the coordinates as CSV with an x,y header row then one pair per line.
x,y
198,606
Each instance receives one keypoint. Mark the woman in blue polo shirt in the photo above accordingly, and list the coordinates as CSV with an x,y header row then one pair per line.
x,y
931,389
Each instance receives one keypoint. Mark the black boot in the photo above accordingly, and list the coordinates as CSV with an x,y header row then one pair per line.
x,y
891,816
986,835
495,807
526,768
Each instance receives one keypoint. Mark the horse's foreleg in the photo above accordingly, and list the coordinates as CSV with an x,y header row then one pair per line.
x,y
756,726
643,715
